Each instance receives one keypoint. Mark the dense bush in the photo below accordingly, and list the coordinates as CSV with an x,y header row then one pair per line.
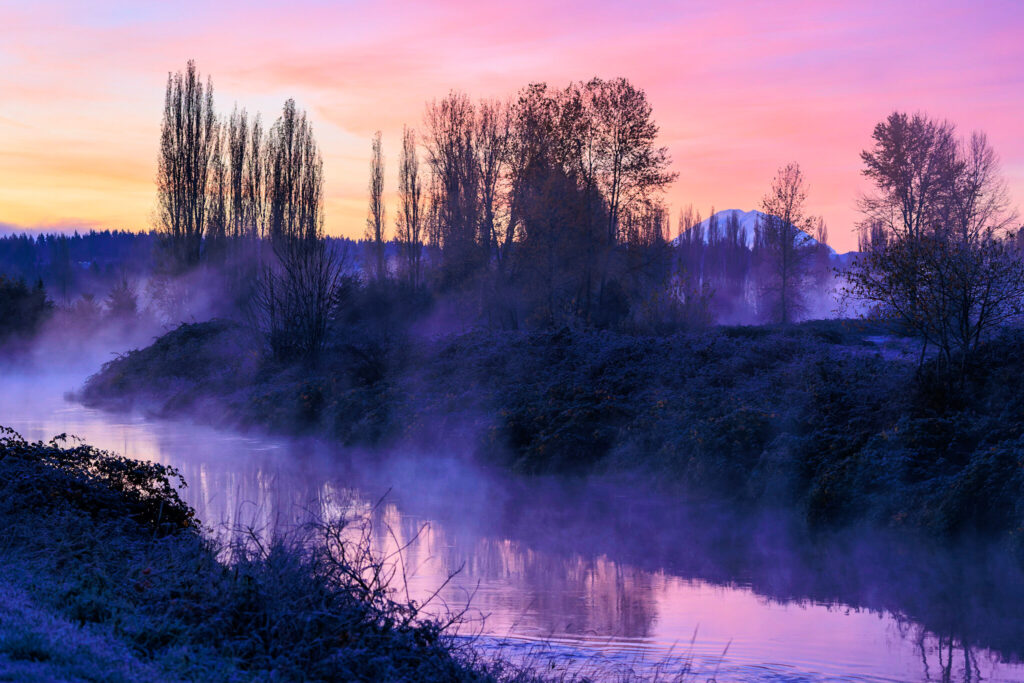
x,y
911,450
193,358
311,605
37,475
809,415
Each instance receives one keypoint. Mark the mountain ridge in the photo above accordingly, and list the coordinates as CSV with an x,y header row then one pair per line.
x,y
747,221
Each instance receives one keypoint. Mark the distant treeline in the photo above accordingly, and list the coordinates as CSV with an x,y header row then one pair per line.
x,y
70,265
736,269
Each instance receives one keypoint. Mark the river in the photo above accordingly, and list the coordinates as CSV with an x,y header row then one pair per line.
x,y
587,573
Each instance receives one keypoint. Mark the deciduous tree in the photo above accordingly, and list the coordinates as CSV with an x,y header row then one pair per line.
x,y
940,258
785,242
188,136
410,215
375,219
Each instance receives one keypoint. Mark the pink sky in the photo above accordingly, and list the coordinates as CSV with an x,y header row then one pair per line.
x,y
738,88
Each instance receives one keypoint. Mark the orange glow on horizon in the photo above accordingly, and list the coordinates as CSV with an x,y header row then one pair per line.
x,y
738,88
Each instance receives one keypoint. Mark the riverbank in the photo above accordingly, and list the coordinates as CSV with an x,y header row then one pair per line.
x,y
108,577
828,417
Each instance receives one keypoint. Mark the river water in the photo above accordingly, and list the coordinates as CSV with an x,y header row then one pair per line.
x,y
594,577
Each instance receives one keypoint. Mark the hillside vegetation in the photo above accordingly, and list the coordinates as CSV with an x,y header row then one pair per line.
x,y
811,416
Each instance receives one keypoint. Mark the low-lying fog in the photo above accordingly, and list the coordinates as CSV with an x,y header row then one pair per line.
x,y
590,568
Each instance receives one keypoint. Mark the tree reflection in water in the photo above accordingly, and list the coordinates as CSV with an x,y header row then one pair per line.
x,y
605,566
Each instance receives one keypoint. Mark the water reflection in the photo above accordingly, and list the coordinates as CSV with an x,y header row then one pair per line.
x,y
939,655
585,566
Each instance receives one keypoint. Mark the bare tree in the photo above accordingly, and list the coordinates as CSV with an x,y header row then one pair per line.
x,y
977,200
824,273
606,140
492,130
940,259
254,184
690,294
557,220
871,233
296,291
188,135
295,297
911,164
450,147
496,168
375,220
952,293
244,215
410,215
293,179
649,262
237,144
689,218
630,167
786,241
820,231
527,149
217,199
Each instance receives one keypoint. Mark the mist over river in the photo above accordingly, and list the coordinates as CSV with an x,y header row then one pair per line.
x,y
591,569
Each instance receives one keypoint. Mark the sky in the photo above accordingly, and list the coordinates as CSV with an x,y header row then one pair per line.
x,y
738,88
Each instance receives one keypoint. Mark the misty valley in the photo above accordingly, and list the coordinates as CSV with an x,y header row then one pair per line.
x,y
527,428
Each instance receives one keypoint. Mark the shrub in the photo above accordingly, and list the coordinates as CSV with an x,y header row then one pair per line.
x,y
315,603
101,484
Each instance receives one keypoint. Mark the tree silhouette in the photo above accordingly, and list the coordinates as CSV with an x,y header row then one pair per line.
x,y
410,214
940,258
188,136
786,244
375,219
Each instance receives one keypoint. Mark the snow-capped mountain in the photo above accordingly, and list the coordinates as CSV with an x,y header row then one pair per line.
x,y
747,221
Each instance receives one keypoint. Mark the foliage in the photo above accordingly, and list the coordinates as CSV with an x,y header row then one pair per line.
x,y
69,265
123,301
810,413
45,475
22,308
940,260
201,356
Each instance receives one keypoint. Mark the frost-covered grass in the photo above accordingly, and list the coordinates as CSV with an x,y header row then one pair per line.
x,y
96,588
41,644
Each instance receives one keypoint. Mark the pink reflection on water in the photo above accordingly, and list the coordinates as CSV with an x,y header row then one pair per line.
x,y
518,588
